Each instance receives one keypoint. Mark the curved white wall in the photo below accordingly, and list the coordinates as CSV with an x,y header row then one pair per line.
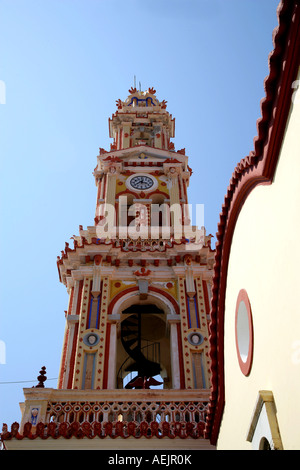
x,y
265,260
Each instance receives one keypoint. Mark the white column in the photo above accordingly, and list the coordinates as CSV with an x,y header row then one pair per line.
x,y
111,379
75,297
96,280
71,321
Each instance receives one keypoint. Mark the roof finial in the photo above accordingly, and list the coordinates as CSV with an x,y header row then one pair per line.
x,y
41,378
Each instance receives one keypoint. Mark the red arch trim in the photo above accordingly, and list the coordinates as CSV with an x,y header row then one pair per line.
x,y
133,289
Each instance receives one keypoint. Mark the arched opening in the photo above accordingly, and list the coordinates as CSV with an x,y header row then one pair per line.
x,y
143,344
264,444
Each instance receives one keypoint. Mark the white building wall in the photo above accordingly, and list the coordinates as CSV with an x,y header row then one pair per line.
x,y
265,260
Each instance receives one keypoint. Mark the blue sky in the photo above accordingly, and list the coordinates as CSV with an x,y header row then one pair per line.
x,y
64,64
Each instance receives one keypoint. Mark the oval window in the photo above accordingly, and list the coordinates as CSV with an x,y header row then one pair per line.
x,y
244,332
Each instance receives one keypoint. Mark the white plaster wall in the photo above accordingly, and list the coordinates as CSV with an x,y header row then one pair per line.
x,y
265,260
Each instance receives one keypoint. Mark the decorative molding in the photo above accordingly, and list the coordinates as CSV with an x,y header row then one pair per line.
x,y
264,424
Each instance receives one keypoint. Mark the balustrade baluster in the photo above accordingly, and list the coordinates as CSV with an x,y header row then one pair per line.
x,y
154,418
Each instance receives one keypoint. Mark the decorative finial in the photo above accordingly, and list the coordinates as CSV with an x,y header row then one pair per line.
x,y
41,378
119,103
132,90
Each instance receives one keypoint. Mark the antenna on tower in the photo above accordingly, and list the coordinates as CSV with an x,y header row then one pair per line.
x,y
140,86
134,82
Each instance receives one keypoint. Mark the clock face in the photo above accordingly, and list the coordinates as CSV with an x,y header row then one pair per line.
x,y
141,182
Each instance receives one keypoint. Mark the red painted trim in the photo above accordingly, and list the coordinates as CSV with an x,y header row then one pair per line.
x,y
165,147
127,191
99,303
79,297
89,306
98,191
187,307
107,344
104,187
121,138
106,430
158,192
180,187
206,299
185,191
168,296
133,289
255,169
63,360
71,301
245,366
197,310
180,352
118,296
72,359
138,195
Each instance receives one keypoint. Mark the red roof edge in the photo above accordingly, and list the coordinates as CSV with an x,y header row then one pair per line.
x,y
257,168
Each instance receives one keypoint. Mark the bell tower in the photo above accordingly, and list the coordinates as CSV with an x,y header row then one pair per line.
x,y
138,281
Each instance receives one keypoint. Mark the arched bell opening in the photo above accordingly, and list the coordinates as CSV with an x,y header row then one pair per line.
x,y
143,344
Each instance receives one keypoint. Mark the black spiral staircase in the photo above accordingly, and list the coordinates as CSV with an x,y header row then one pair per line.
x,y
143,355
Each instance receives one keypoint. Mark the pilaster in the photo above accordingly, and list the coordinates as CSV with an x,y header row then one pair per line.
x,y
101,369
172,171
175,351
78,372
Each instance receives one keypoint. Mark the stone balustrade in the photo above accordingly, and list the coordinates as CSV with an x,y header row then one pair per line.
x,y
112,413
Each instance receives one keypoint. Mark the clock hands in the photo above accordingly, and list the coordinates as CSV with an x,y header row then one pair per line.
x,y
141,182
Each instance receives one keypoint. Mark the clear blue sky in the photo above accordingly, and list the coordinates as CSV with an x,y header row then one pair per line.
x,y
64,64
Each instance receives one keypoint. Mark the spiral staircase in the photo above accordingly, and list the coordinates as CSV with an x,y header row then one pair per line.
x,y
143,354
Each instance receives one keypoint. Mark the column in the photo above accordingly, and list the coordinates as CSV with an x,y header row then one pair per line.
x,y
112,359
175,358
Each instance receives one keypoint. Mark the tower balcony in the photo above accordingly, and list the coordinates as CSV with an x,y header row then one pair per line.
x,y
138,414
